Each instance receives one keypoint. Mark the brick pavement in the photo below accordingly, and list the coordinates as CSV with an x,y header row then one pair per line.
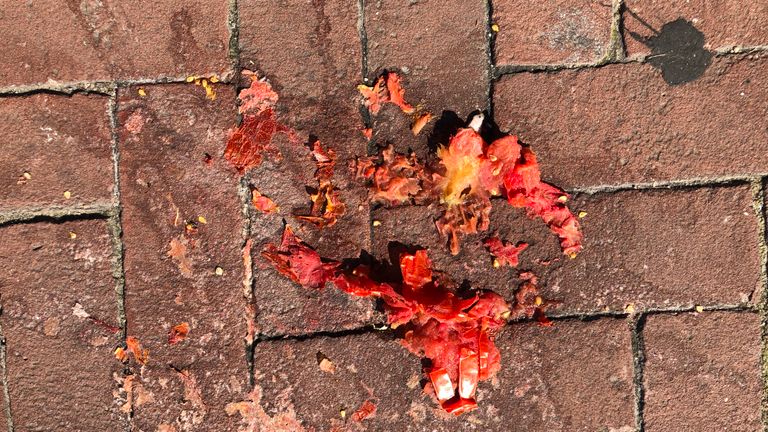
x,y
120,220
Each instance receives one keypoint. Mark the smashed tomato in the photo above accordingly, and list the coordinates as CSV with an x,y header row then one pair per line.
x,y
469,172
455,332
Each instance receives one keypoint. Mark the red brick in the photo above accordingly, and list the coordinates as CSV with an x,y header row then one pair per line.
x,y
623,123
166,183
702,372
318,98
314,64
574,376
725,23
413,226
60,364
283,306
653,249
63,143
441,45
89,40
551,31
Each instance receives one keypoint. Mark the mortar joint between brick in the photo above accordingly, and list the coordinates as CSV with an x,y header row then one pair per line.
x,y
55,213
363,35
615,51
636,326
116,232
233,26
4,379
758,197
499,71
368,328
693,182
115,219
742,307
102,87
490,39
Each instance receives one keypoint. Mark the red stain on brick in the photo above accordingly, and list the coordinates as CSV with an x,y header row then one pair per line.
x,y
254,418
327,206
248,142
134,347
177,250
366,410
505,253
178,333
135,122
262,203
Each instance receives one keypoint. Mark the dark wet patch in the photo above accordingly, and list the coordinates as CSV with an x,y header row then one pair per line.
x,y
678,51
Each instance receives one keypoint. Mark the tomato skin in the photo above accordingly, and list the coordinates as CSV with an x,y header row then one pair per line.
x,y
459,406
441,382
469,371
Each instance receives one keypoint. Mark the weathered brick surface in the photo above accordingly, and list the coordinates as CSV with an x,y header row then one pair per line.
x,y
90,40
166,183
575,376
59,324
702,372
649,248
623,123
62,143
440,47
551,31
315,68
657,249
413,227
725,23
283,306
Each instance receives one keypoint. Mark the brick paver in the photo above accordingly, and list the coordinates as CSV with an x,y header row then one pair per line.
x,y
725,23
56,150
657,249
440,47
181,222
93,40
651,249
702,372
656,324
314,67
551,31
574,376
59,326
623,123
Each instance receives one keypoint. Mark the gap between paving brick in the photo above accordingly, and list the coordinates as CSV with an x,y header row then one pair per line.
x,y
105,87
98,210
636,325
501,70
4,379
363,34
758,193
